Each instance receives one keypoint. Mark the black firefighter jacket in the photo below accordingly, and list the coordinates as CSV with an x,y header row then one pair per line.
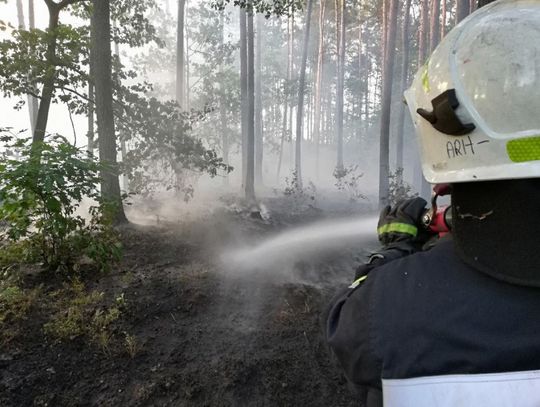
x,y
427,330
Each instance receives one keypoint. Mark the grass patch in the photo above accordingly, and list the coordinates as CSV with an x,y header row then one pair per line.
x,y
79,313
15,304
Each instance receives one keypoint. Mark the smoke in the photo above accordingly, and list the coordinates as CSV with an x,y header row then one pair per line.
x,y
302,245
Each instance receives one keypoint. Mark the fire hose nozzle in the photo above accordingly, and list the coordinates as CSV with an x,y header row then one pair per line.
x,y
439,221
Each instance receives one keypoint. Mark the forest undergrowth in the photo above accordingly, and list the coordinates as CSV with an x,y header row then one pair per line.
x,y
170,324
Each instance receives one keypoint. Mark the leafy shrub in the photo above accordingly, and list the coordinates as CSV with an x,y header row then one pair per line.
x,y
398,188
347,180
299,195
41,189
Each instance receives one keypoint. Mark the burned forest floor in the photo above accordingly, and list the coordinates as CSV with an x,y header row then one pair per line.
x,y
174,324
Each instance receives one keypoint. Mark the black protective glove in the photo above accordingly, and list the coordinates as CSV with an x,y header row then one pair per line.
x,y
400,231
401,225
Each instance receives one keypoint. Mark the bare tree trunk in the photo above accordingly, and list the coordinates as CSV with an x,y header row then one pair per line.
x,y
49,77
244,91
340,86
422,185
287,93
20,15
434,34
31,99
404,81
386,104
462,10
318,85
187,71
180,57
123,147
443,19
222,102
258,104
384,11
423,34
250,174
91,102
291,107
101,47
301,94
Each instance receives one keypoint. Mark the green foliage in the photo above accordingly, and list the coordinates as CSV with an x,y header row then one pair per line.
x,y
348,181
40,198
24,64
399,190
130,21
266,7
161,145
300,196
15,304
78,314
15,254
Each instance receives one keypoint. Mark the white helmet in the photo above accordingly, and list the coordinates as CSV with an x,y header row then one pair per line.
x,y
476,103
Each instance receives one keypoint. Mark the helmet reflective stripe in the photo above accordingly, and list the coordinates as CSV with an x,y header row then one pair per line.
x,y
524,149
492,61
476,390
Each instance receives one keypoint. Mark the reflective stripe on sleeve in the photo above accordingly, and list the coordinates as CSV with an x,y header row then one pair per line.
x,y
399,228
357,282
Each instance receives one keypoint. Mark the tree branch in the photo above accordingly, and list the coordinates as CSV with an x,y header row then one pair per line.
x,y
65,3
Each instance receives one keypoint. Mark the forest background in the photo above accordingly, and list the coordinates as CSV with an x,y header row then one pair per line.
x,y
185,183
324,107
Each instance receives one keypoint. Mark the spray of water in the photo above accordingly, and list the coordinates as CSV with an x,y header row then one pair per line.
x,y
302,242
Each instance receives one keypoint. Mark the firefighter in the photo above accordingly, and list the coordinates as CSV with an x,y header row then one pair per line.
x,y
459,324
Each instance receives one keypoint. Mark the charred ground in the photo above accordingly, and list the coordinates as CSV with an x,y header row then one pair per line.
x,y
189,334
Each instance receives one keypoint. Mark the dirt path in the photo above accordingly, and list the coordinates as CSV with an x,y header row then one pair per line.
x,y
205,337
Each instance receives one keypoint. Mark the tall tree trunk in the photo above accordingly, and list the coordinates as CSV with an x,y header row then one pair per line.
x,y
291,105
386,104
258,104
434,32
180,57
101,47
31,99
250,174
91,103
243,91
49,77
222,103
123,147
301,94
443,19
287,102
187,93
34,102
423,48
318,85
423,33
384,28
462,10
340,86
404,81
20,15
